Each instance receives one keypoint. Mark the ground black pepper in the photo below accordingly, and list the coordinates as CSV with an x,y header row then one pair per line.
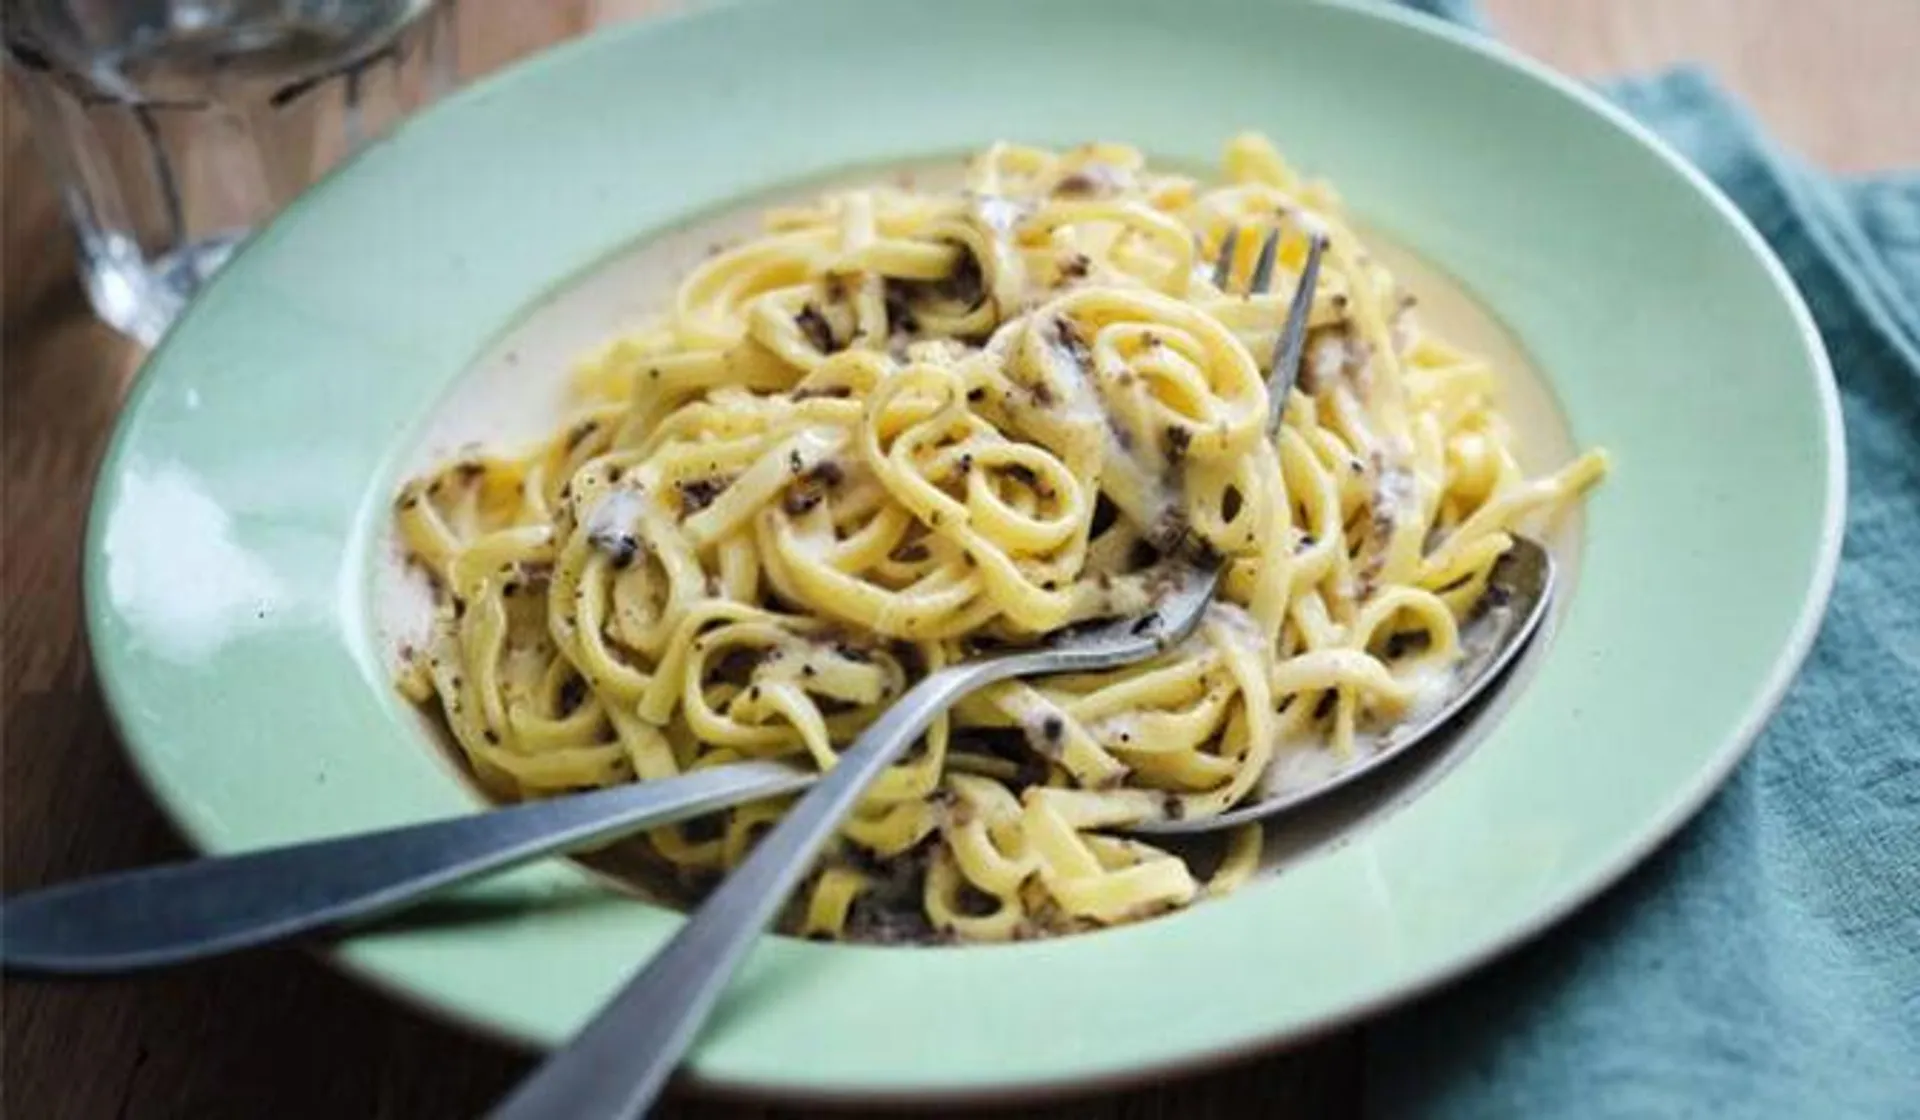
x,y
814,325
1402,642
1178,440
572,693
697,494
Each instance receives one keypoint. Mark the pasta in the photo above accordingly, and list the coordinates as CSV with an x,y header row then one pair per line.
x,y
902,425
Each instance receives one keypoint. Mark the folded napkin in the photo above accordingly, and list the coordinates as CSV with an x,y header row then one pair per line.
x,y
1766,962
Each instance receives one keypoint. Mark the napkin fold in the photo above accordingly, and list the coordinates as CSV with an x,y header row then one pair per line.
x,y
1765,962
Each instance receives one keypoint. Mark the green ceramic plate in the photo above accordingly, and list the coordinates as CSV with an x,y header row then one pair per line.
x,y
240,510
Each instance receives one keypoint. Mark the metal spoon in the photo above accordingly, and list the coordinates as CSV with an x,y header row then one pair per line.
x,y
181,912
1519,590
176,913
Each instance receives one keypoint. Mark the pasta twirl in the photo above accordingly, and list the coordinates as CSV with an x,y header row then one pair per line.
x,y
901,425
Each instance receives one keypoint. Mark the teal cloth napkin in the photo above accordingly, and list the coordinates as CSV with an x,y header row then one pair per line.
x,y
1766,962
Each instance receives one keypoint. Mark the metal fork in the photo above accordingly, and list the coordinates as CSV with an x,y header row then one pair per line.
x,y
618,1065
154,917
181,912
1287,348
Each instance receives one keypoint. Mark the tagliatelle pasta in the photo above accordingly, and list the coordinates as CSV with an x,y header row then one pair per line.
x,y
903,425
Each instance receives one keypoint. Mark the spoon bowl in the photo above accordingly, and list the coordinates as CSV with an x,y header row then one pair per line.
x,y
1519,590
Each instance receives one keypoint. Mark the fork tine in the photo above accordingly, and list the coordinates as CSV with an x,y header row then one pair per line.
x,y
1223,264
1293,337
1263,267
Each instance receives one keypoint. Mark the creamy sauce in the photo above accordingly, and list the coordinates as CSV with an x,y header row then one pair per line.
x,y
1303,762
1396,493
1066,370
614,517
1239,626
1000,215
1105,178
1300,766
518,392
1327,358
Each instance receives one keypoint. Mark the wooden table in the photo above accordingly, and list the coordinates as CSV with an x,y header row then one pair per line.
x,y
278,1033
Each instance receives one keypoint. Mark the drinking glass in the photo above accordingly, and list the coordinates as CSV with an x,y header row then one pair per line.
x,y
173,128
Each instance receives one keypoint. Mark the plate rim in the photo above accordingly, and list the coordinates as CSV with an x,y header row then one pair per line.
x,y
1683,803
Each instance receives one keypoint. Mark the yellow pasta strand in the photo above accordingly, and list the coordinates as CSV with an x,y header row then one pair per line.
x,y
903,421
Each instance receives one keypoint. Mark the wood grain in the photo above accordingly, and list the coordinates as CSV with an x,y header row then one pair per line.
x,y
279,1033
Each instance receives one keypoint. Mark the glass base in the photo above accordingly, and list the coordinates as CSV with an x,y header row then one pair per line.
x,y
140,299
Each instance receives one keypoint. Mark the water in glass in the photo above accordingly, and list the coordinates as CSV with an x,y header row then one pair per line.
x,y
174,127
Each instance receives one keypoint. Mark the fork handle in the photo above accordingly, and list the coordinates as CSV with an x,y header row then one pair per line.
x,y
186,911
617,1066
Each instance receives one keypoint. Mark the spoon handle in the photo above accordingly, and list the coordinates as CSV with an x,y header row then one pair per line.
x,y
180,912
617,1066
